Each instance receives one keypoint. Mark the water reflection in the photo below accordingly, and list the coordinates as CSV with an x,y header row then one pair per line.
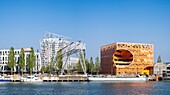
x,y
143,88
85,88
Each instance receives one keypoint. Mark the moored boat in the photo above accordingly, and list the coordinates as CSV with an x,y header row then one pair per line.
x,y
119,79
31,78
5,79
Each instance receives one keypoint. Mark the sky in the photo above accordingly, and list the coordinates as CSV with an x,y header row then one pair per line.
x,y
95,22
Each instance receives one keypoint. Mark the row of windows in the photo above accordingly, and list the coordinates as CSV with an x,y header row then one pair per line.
x,y
6,58
156,67
7,52
37,62
135,46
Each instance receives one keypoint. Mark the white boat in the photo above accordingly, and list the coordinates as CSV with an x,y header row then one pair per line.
x,y
5,79
119,79
31,79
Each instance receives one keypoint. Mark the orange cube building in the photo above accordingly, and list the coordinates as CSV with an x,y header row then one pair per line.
x,y
127,58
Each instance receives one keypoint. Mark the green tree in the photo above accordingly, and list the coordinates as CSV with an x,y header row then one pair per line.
x,y
55,69
78,66
159,59
59,62
11,59
43,69
87,65
22,60
31,60
48,68
81,59
91,65
51,65
97,65
69,69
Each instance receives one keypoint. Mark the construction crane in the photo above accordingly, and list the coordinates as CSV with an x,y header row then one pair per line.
x,y
73,48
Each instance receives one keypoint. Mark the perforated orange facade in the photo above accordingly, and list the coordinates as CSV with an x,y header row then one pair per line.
x,y
127,58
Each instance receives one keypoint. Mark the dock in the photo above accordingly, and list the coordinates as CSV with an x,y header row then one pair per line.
x,y
66,78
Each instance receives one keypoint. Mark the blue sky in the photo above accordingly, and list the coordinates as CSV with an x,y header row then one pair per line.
x,y
95,22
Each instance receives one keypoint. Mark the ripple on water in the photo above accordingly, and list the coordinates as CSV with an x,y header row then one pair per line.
x,y
85,88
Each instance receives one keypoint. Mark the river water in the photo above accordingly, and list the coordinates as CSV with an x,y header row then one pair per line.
x,y
85,88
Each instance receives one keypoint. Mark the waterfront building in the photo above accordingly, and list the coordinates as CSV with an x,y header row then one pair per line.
x,y
50,45
160,68
4,61
127,58
168,68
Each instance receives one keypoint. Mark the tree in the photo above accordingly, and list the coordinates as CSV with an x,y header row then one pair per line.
x,y
69,69
51,65
97,65
159,59
87,65
11,59
43,69
78,66
91,65
82,62
31,60
59,62
22,60
48,68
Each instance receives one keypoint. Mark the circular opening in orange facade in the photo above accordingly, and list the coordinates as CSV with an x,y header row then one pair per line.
x,y
122,57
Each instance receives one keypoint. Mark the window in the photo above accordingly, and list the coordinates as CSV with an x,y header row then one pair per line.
x,y
168,67
6,58
15,52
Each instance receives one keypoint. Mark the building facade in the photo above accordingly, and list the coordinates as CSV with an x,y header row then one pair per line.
x,y
162,69
4,61
127,58
50,45
38,63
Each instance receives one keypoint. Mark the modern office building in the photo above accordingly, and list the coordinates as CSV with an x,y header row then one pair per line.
x,y
49,46
162,69
168,68
51,43
4,61
127,58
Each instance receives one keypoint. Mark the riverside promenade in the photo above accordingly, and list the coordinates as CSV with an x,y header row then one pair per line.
x,y
62,78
